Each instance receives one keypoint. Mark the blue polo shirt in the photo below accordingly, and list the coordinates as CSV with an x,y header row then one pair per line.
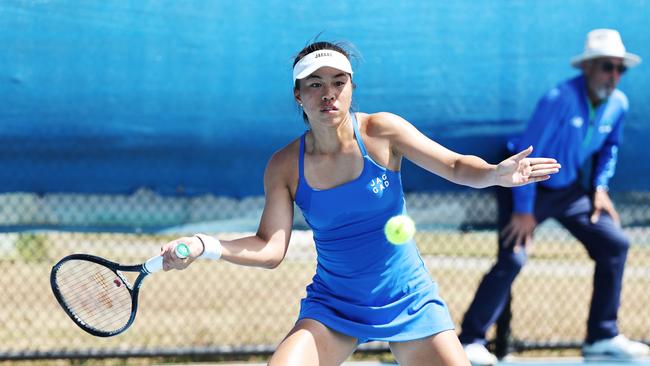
x,y
567,128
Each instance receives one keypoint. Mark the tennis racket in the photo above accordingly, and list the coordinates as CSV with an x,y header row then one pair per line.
x,y
95,293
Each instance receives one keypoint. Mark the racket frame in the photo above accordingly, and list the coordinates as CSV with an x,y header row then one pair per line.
x,y
115,268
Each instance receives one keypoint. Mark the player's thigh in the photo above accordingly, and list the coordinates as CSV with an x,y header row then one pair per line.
x,y
439,349
312,343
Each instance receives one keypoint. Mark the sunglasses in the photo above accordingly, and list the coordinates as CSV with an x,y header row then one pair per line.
x,y
609,67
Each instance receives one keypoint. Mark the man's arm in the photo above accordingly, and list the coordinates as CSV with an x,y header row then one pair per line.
x,y
604,170
544,122
607,157
540,128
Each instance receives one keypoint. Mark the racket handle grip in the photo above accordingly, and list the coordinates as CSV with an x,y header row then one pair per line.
x,y
155,264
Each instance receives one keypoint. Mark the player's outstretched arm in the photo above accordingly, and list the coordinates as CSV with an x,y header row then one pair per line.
x,y
406,140
268,246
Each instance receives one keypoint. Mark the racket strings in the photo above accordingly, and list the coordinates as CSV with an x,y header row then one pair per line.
x,y
94,294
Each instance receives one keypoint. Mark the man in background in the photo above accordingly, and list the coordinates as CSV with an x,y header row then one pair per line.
x,y
578,120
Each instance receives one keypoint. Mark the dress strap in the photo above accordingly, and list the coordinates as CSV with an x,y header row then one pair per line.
x,y
357,134
301,157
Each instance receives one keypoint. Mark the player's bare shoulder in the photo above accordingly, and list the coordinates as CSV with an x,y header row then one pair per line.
x,y
379,131
282,167
382,124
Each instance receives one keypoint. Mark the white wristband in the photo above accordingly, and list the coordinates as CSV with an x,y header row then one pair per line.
x,y
211,246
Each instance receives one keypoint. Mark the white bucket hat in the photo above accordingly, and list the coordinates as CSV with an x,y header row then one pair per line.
x,y
605,43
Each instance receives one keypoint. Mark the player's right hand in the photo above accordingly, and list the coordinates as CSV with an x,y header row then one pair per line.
x,y
172,261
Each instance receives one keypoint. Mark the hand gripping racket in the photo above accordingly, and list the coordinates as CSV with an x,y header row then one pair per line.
x,y
96,295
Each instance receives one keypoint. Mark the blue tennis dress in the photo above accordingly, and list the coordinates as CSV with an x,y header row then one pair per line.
x,y
364,286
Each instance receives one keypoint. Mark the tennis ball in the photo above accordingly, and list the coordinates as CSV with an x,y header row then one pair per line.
x,y
399,229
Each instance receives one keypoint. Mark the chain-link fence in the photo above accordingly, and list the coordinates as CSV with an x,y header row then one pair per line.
x,y
217,307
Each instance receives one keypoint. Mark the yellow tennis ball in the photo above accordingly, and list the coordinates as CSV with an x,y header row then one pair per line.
x,y
399,229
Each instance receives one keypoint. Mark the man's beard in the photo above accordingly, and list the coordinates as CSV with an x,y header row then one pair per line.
x,y
603,93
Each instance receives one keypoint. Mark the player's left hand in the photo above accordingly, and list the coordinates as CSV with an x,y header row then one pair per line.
x,y
518,169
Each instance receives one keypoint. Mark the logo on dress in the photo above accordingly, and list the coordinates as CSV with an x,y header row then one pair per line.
x,y
378,184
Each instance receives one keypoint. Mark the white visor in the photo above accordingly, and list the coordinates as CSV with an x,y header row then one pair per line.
x,y
321,58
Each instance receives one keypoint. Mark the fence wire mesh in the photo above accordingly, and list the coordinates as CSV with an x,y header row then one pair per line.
x,y
217,307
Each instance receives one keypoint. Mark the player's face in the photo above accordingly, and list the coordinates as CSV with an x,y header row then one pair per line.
x,y
603,75
325,95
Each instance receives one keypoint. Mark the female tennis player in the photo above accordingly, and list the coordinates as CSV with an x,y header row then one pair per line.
x,y
344,174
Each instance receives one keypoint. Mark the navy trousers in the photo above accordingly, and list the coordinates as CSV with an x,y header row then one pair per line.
x,y
605,242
